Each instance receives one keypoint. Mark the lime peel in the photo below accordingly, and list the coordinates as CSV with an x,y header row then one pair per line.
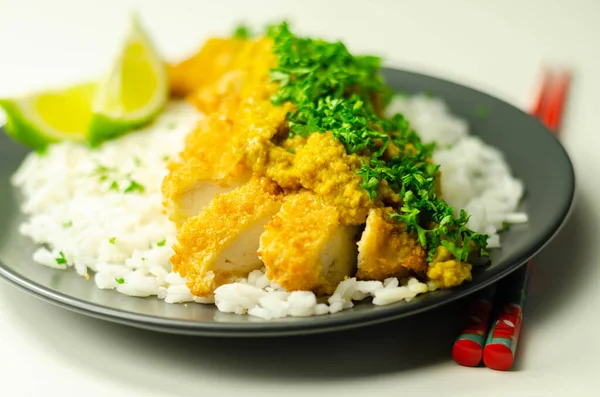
x,y
27,124
130,96
112,113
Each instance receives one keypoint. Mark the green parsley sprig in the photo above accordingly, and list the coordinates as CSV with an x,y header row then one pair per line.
x,y
61,260
335,91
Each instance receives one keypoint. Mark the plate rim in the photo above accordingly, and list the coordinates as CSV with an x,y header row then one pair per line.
x,y
316,324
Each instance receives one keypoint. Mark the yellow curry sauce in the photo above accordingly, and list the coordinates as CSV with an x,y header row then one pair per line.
x,y
245,136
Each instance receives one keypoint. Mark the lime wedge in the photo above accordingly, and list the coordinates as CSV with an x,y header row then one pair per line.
x,y
130,96
133,93
39,119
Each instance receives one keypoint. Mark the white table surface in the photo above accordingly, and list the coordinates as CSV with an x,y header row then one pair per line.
x,y
496,46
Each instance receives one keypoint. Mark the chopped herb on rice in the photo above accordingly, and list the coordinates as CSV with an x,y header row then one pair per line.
x,y
61,260
134,187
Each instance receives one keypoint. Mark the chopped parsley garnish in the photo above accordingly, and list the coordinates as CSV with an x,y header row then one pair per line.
x,y
242,32
166,158
291,150
120,280
68,224
134,187
481,111
61,260
112,240
103,172
102,169
335,91
162,243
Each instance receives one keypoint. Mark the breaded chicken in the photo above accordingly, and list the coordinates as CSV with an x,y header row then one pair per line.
x,y
387,250
209,165
248,77
215,58
224,70
239,124
220,244
243,190
304,247
446,271
193,185
220,156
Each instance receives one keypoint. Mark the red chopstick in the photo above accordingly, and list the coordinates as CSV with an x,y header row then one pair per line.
x,y
468,347
500,347
549,104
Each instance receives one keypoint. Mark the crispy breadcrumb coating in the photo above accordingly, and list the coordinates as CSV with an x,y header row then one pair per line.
x,y
220,244
240,121
305,247
387,250
244,193
214,167
220,67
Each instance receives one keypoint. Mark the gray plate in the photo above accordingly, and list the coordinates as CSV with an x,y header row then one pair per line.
x,y
533,152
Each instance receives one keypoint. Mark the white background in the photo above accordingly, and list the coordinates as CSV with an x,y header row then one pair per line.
x,y
496,46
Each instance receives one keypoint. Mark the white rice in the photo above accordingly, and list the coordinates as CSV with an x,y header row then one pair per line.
x,y
125,239
258,297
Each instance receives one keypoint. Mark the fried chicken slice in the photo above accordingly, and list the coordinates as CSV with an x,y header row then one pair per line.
x,y
216,57
220,156
224,70
220,244
210,164
304,247
229,81
387,250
